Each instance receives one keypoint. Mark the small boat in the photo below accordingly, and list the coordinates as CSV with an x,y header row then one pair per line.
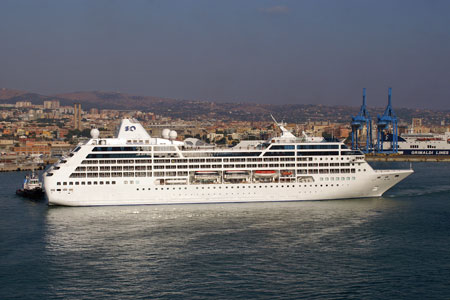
x,y
32,187
286,173
265,173
206,175
176,181
236,174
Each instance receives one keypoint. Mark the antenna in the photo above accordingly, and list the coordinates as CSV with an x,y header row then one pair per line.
x,y
274,119
284,132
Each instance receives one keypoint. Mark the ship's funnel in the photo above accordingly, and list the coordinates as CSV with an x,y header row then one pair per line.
x,y
132,129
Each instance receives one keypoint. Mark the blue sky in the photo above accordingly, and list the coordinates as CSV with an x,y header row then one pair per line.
x,y
278,51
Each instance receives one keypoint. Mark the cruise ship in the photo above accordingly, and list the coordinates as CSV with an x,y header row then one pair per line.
x,y
137,169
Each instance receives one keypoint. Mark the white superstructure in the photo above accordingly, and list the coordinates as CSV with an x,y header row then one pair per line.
x,y
134,169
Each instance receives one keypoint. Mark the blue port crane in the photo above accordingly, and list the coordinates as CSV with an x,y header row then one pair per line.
x,y
387,122
360,121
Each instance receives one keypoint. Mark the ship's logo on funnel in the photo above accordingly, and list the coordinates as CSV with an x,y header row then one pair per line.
x,y
130,128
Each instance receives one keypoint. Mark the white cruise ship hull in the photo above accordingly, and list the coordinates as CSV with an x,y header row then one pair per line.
x,y
146,193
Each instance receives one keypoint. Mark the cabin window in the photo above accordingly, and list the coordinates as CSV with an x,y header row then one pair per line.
x,y
277,153
282,147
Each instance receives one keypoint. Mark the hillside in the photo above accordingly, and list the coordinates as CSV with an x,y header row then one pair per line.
x,y
191,109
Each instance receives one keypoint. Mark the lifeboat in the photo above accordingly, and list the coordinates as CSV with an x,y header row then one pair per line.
x,y
265,173
176,181
206,175
286,173
305,179
235,174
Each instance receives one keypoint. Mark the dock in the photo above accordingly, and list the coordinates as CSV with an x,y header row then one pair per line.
x,y
26,166
14,167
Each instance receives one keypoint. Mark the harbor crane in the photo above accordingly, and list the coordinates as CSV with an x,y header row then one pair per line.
x,y
385,123
360,122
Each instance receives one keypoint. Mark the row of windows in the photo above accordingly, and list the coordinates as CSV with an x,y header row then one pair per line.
x,y
318,146
229,166
237,187
156,148
119,155
337,178
114,168
278,153
172,148
112,174
185,173
85,182
127,148
282,147
225,160
209,187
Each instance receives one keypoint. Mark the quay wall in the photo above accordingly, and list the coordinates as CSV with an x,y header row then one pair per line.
x,y
9,167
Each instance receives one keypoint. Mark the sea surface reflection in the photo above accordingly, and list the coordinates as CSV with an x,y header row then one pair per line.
x,y
187,250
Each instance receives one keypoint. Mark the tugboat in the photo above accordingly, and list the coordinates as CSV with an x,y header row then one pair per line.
x,y
32,187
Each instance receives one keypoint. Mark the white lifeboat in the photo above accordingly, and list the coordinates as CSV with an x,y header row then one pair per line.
x,y
236,174
205,175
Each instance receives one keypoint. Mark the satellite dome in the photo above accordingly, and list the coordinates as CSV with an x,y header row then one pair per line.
x,y
165,133
172,134
95,133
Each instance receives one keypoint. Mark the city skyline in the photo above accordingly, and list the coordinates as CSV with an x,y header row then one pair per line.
x,y
272,52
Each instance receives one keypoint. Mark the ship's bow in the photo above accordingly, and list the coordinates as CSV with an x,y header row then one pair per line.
x,y
383,180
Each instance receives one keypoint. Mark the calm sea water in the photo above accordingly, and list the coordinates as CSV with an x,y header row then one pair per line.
x,y
394,247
